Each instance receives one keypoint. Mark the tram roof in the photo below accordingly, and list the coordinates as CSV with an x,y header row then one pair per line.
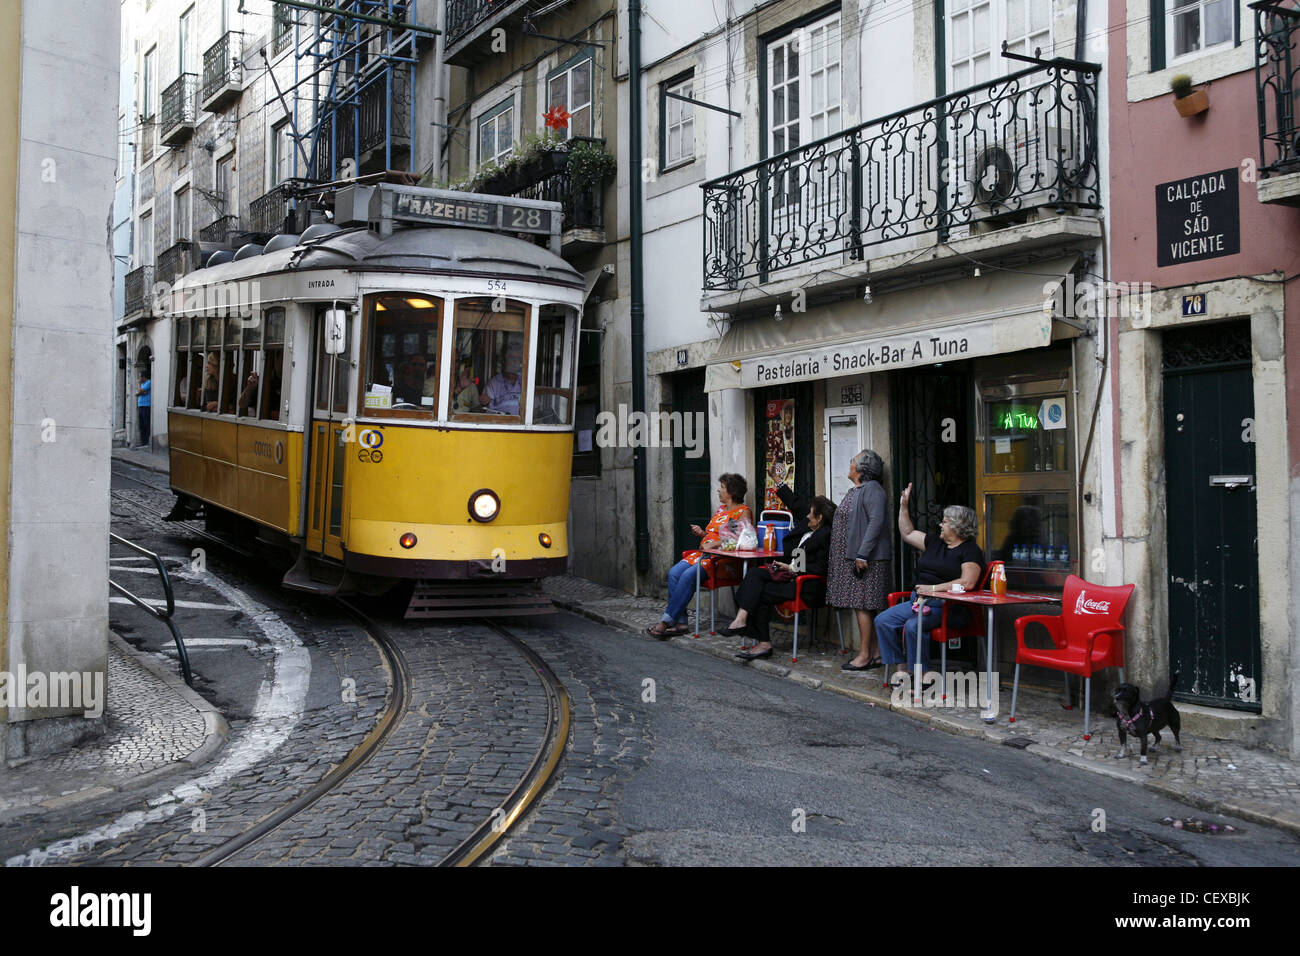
x,y
413,249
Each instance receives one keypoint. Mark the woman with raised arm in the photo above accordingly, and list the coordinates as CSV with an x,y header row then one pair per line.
x,y
950,557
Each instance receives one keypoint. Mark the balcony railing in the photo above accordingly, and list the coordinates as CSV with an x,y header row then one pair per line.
x,y
139,283
464,15
1277,62
177,114
219,230
364,124
269,214
986,154
177,260
222,73
582,203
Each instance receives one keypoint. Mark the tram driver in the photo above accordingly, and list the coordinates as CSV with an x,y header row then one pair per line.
x,y
504,389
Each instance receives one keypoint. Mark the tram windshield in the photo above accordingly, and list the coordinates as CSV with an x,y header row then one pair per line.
x,y
490,355
404,336
553,372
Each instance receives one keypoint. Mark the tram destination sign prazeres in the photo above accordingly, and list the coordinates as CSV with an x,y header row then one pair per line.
x,y
445,207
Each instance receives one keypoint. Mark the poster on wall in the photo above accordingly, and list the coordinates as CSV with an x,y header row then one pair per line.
x,y
780,450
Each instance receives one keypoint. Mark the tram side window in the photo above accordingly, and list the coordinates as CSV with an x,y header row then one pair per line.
x,y
403,341
180,380
273,365
553,373
490,359
250,370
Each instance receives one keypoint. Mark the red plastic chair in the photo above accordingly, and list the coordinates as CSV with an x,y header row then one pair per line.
x,y
793,607
1088,636
719,572
946,632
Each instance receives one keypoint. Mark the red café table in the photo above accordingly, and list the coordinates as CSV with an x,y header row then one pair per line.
x,y
985,599
744,556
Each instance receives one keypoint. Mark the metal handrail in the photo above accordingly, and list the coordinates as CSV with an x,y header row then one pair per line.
x,y
155,611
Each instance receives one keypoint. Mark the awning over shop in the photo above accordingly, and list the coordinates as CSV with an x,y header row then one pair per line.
x,y
944,322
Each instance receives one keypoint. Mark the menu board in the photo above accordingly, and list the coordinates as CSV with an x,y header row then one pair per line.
x,y
780,450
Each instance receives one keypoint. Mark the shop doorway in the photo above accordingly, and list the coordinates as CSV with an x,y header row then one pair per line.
x,y
783,444
693,500
933,436
1212,538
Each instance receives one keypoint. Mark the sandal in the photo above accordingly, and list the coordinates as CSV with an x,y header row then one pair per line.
x,y
659,631
874,663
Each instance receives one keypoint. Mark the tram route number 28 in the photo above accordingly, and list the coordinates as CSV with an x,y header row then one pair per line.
x,y
523,218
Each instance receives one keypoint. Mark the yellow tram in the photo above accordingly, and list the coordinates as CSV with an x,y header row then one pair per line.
x,y
393,399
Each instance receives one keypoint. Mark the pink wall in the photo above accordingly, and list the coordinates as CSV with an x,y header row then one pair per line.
x,y
1150,144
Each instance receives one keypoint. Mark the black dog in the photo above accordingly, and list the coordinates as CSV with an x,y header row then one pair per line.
x,y
1134,717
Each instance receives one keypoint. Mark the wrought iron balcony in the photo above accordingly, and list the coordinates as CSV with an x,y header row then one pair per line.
x,y
139,284
177,260
582,202
987,154
1277,62
219,230
361,124
272,213
464,15
223,73
177,114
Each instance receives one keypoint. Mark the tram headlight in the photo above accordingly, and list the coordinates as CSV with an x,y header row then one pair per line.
x,y
545,539
407,540
484,505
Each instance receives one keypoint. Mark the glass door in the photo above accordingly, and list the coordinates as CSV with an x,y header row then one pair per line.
x,y
330,441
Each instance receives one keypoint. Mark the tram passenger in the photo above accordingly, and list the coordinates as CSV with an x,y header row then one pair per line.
x,y
682,575
467,397
409,387
249,394
209,397
504,389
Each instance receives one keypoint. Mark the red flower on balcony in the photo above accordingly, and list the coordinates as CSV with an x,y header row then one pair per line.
x,y
557,117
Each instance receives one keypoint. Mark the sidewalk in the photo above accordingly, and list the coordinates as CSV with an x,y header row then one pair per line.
x,y
154,726
1214,775
144,458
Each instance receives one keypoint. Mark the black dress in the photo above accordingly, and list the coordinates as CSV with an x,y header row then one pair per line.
x,y
758,593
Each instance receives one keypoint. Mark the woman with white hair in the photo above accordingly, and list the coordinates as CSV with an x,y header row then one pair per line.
x,y
948,558
858,571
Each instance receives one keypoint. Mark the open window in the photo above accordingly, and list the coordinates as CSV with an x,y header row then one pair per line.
x,y
404,342
490,355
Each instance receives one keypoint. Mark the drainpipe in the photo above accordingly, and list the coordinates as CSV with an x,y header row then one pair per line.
x,y
640,492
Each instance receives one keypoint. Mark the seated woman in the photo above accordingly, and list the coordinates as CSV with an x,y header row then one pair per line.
x,y
682,575
773,584
950,557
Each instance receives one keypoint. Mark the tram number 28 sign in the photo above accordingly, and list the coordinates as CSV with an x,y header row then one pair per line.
x,y
1198,218
469,212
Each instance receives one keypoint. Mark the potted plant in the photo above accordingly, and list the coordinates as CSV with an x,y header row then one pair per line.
x,y
1189,101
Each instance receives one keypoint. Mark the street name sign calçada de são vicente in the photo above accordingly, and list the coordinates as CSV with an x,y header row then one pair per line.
x,y
1198,218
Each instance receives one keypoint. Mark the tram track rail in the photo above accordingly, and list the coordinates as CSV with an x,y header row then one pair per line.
x,y
496,826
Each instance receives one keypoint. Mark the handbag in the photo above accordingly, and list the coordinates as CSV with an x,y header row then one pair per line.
x,y
780,574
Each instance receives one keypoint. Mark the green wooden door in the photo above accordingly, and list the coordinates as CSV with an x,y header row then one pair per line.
x,y
693,499
1212,532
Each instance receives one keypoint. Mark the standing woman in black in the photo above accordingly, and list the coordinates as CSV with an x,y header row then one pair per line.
x,y
861,549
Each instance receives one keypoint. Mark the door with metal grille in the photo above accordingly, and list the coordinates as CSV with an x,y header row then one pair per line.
x,y
1212,533
693,500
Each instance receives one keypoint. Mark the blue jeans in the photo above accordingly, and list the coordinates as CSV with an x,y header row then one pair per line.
x,y
896,632
681,590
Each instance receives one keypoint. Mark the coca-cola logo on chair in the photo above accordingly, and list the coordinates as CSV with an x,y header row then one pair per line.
x,y
1085,606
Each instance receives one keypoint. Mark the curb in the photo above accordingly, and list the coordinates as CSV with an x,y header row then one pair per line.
x,y
1255,813
216,729
145,464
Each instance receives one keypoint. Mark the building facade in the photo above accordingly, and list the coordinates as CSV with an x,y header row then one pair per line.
x,y
57,155
1205,194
